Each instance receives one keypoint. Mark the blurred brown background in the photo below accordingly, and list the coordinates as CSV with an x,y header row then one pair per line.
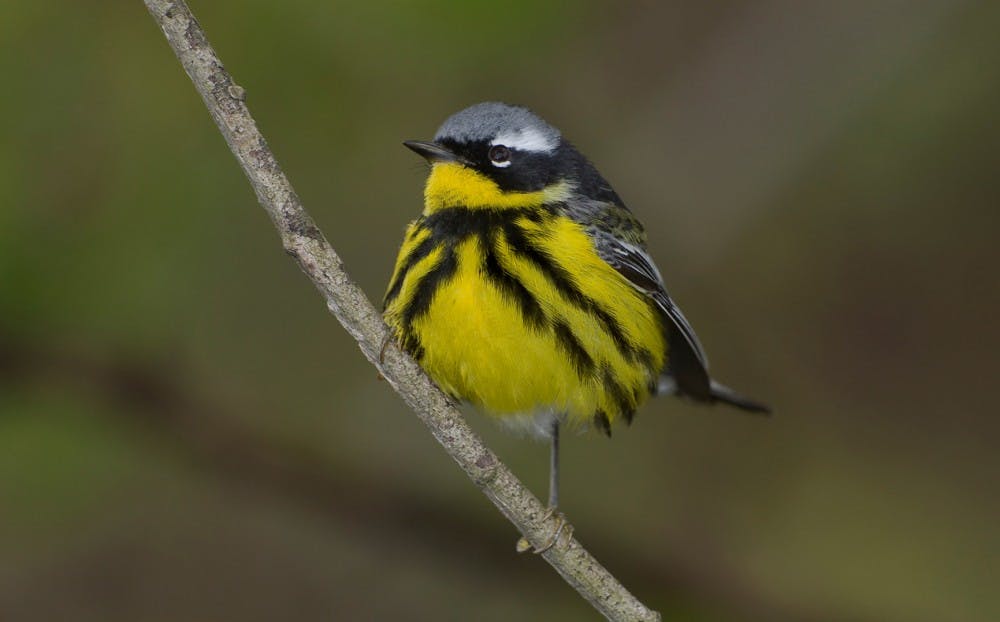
x,y
186,434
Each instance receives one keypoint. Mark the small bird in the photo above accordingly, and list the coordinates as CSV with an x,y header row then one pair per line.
x,y
525,287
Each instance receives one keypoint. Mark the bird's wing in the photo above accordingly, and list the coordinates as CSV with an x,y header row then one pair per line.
x,y
620,240
634,263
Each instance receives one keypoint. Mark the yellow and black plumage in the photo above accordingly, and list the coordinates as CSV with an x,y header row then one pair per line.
x,y
525,288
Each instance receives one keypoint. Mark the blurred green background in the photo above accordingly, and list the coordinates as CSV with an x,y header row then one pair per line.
x,y
186,434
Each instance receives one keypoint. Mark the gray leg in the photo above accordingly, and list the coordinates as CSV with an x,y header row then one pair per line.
x,y
554,468
561,525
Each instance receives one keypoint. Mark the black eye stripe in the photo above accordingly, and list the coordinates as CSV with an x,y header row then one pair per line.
x,y
523,171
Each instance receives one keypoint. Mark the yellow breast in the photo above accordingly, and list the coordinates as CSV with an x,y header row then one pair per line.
x,y
513,310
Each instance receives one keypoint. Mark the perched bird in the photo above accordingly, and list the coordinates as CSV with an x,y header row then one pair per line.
x,y
525,287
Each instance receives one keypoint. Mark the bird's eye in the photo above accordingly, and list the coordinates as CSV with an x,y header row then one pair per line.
x,y
499,155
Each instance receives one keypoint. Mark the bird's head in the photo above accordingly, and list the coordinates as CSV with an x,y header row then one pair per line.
x,y
494,155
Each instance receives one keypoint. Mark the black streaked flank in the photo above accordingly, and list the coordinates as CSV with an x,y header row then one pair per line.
x,y
410,342
450,227
565,283
422,250
539,216
625,404
509,286
565,338
423,295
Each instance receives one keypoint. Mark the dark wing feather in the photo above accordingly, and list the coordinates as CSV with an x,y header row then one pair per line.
x,y
632,262
687,365
620,241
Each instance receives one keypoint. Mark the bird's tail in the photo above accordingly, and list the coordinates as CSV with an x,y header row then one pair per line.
x,y
722,393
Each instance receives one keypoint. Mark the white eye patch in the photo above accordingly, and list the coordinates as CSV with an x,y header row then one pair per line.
x,y
528,139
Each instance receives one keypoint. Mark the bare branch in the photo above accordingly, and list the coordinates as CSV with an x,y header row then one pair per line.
x,y
304,241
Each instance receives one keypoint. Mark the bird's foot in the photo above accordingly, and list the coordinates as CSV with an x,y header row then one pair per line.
x,y
562,526
385,344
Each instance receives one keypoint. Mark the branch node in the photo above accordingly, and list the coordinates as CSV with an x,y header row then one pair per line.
x,y
237,92
489,468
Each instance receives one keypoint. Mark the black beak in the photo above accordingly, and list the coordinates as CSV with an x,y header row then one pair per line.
x,y
432,152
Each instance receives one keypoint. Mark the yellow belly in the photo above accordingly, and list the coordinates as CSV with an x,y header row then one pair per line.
x,y
476,343
479,348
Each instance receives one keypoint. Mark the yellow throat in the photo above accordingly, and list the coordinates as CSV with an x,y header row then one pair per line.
x,y
452,185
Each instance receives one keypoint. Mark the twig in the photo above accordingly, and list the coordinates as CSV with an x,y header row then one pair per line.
x,y
304,241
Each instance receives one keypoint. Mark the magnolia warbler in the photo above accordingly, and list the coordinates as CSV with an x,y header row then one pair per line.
x,y
525,287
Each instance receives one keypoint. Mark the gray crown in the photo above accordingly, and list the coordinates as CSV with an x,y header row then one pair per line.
x,y
485,121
